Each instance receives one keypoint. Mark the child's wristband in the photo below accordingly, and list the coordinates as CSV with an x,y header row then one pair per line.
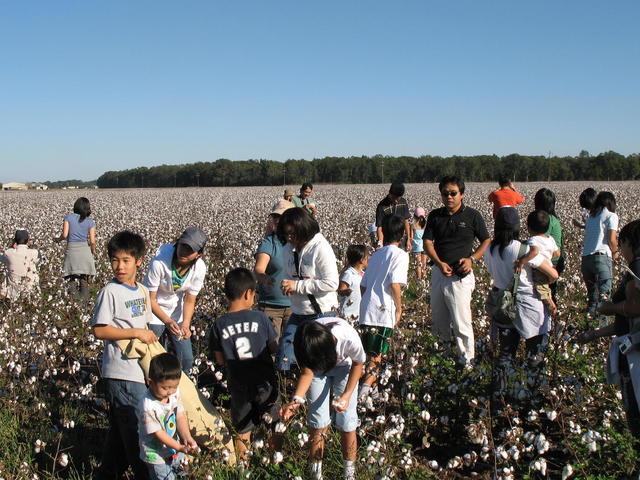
x,y
298,399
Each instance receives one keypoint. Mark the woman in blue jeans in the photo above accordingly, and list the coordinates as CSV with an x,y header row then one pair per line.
x,y
600,249
174,279
311,276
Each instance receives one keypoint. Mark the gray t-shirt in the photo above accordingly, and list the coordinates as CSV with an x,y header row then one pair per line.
x,y
79,230
121,306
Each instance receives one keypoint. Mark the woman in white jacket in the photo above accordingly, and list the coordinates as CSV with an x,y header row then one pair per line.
x,y
311,273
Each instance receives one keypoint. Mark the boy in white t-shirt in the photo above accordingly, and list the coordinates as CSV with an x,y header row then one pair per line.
x,y
160,417
349,287
381,304
540,244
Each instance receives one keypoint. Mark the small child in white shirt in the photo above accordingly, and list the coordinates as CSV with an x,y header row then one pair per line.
x,y
160,417
540,244
349,286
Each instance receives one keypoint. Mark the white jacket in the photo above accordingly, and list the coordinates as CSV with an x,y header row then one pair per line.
x,y
318,276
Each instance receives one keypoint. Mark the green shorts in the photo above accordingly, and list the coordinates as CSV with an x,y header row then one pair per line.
x,y
375,340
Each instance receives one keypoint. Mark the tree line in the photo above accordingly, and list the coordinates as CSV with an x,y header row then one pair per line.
x,y
378,169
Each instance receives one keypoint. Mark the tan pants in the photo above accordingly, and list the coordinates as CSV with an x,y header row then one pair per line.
x,y
279,317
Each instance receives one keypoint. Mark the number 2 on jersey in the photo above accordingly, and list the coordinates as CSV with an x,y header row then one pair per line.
x,y
243,347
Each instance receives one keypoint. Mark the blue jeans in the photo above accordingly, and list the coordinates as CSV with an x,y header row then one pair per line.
x,y
286,357
121,447
597,271
183,348
319,398
168,470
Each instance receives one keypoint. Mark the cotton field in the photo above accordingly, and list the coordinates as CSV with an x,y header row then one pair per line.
x,y
432,419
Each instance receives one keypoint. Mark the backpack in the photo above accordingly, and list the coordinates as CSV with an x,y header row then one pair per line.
x,y
501,304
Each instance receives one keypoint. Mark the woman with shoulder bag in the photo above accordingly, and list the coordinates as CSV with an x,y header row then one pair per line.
x,y
532,320
311,276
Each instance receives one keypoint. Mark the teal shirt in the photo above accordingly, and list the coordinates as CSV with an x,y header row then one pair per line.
x,y
275,269
555,232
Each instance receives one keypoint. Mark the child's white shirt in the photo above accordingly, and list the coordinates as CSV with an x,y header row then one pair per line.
x,y
547,246
388,265
153,415
350,306
348,344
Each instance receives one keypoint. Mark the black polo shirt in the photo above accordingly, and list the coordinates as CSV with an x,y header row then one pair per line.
x,y
453,235
387,207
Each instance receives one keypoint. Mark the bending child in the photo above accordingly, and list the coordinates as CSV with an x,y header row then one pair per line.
x,y
331,356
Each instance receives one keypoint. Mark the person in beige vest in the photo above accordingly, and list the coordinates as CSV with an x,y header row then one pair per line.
x,y
22,272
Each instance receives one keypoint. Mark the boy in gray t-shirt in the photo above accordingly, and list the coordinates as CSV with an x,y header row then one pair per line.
x,y
122,312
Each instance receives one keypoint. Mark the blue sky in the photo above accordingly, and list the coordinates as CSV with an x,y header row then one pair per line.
x,y
91,86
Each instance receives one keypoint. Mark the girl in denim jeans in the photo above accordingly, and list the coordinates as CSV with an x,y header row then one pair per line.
x,y
331,356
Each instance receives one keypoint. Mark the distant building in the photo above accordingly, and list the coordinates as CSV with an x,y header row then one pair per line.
x,y
14,186
38,186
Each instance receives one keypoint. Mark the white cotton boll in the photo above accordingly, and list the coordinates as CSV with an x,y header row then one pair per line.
x,y
258,443
280,427
338,403
425,415
552,415
433,465
63,460
277,457
567,471
592,446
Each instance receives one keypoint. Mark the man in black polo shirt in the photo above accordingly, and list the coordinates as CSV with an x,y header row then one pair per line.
x,y
394,204
448,240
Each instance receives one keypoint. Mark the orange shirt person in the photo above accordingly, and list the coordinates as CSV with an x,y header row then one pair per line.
x,y
505,196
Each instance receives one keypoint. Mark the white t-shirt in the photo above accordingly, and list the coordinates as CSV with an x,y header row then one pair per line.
x,y
547,246
121,306
348,344
153,415
350,306
388,265
596,232
158,279
501,268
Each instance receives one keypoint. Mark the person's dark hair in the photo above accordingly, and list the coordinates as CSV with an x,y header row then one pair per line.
x,y
392,228
304,225
502,238
604,200
165,367
587,197
630,233
355,254
306,185
82,208
21,240
503,180
538,222
422,221
451,179
545,200
126,241
238,281
396,189
315,347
